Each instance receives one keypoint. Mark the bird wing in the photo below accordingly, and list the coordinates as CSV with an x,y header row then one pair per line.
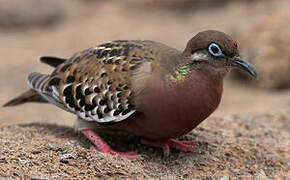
x,y
96,83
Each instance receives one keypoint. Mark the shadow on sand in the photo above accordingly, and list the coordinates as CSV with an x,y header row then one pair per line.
x,y
120,141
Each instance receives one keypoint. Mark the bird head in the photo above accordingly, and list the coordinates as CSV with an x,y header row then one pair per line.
x,y
218,49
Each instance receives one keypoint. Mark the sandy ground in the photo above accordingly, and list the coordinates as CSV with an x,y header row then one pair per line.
x,y
255,148
247,137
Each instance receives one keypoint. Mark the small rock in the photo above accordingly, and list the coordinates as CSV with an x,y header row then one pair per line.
x,y
262,175
225,178
67,156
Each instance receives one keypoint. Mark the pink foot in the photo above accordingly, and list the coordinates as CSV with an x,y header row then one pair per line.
x,y
165,144
101,145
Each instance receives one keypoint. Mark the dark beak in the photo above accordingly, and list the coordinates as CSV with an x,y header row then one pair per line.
x,y
243,64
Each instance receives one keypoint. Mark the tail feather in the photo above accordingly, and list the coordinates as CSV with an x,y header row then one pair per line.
x,y
37,82
28,96
52,61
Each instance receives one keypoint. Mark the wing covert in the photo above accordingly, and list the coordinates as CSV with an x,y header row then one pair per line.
x,y
96,83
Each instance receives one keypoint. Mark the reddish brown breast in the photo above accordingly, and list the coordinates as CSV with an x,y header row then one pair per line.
x,y
172,110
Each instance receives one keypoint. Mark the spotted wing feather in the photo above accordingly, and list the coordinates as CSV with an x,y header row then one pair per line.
x,y
96,84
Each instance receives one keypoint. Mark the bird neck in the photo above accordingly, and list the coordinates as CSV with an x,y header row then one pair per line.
x,y
175,69
179,72
182,71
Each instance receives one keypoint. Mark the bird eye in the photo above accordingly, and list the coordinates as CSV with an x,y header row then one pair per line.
x,y
215,49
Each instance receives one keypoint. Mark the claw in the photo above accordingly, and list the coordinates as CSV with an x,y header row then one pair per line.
x,y
165,144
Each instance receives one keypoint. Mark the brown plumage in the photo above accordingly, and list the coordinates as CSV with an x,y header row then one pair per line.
x,y
142,87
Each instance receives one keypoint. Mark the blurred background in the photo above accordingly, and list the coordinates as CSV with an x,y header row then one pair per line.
x,y
33,28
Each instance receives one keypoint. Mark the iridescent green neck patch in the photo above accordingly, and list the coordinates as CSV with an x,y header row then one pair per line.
x,y
180,72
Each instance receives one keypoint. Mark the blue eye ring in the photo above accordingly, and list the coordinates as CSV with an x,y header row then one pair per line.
x,y
215,50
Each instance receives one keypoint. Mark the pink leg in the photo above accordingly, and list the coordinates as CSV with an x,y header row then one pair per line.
x,y
165,144
102,146
182,145
162,144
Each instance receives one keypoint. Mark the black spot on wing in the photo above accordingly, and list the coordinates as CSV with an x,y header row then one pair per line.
x,y
100,115
120,107
89,107
117,62
65,67
88,92
104,74
103,54
54,81
75,72
125,87
135,60
97,52
82,102
79,94
126,50
68,94
126,111
115,52
107,109
97,90
134,67
103,102
67,91
108,61
112,98
117,112
70,79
